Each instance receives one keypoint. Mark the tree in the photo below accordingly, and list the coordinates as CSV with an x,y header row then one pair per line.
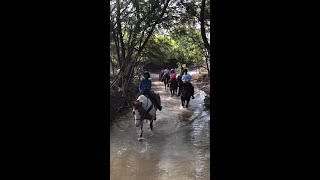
x,y
132,24
157,31
202,21
193,13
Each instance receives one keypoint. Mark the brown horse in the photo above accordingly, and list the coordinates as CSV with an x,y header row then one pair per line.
x,y
165,79
160,76
186,93
179,79
173,86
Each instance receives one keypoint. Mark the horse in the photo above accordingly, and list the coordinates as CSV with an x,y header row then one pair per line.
x,y
186,93
165,79
143,109
173,86
179,79
160,76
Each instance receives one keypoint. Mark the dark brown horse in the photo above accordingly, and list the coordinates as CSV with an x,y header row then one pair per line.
x,y
186,93
173,86
160,76
165,79
179,79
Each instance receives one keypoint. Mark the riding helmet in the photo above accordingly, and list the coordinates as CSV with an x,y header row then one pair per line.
x,y
146,73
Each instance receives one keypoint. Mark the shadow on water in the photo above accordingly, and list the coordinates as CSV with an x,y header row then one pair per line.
x,y
177,148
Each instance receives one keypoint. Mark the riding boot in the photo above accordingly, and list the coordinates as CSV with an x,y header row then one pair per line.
x,y
158,106
192,92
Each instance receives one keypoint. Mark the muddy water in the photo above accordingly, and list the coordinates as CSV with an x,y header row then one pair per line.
x,y
177,148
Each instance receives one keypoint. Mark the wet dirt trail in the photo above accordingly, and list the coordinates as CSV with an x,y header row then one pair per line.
x,y
178,148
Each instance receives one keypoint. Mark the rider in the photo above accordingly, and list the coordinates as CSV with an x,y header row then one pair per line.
x,y
186,82
166,72
181,71
172,74
161,74
145,88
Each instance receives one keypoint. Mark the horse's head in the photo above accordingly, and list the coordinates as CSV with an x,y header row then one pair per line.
x,y
137,111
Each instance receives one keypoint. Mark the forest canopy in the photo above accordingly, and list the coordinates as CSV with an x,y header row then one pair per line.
x,y
156,32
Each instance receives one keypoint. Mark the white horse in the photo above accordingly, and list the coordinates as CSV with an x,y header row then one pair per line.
x,y
143,109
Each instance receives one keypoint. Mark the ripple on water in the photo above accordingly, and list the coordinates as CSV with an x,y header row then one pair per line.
x,y
178,148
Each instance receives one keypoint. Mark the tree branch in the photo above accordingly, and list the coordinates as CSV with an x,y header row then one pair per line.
x,y
153,27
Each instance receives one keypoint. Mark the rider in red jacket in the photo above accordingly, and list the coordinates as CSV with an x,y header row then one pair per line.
x,y
172,74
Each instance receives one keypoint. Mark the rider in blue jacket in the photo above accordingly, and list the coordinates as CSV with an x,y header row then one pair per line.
x,y
145,88
186,82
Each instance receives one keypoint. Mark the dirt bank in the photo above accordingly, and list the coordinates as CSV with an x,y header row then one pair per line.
x,y
202,81
120,103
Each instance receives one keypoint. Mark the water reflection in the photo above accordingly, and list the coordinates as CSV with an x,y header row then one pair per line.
x,y
178,148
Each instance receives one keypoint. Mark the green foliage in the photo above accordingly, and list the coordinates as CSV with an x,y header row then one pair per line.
x,y
175,38
182,48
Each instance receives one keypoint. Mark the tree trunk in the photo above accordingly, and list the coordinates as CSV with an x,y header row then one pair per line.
x,y
112,67
128,78
203,30
208,66
116,42
122,46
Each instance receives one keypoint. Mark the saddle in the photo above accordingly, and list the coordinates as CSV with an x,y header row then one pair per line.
x,y
155,96
152,97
